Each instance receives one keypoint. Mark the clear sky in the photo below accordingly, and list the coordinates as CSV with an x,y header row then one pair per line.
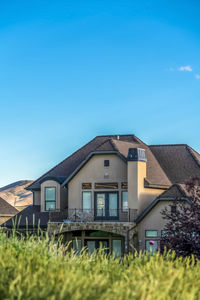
x,y
71,70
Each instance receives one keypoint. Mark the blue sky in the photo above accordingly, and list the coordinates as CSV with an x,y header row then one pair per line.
x,y
71,70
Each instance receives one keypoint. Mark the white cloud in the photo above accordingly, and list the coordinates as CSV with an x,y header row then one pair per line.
x,y
185,68
197,76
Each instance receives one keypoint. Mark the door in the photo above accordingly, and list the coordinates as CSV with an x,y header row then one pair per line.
x,y
92,245
106,206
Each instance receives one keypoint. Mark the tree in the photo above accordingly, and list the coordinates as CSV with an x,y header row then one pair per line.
x,y
182,230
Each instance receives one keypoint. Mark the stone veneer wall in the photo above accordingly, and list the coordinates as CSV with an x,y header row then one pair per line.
x,y
112,227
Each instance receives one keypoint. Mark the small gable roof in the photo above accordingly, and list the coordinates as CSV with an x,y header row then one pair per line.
x,y
31,216
7,209
176,191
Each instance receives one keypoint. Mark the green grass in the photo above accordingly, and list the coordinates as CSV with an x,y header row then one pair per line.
x,y
36,268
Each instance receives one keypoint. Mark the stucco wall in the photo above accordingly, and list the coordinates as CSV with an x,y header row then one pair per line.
x,y
139,197
93,172
152,221
36,197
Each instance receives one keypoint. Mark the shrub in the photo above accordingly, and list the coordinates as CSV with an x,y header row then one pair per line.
x,y
37,268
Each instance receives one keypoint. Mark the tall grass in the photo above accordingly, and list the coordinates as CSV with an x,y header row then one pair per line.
x,y
36,268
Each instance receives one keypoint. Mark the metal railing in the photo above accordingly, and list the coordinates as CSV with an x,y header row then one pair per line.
x,y
91,215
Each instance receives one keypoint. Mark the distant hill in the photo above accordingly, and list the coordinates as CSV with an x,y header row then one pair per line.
x,y
16,195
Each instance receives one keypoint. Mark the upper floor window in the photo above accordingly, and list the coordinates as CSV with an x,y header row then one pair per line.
x,y
86,186
87,200
124,201
106,185
50,198
124,185
106,163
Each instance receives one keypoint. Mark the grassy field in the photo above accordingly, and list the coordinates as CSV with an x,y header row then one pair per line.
x,y
37,269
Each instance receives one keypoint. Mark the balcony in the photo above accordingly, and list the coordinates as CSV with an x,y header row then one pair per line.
x,y
93,215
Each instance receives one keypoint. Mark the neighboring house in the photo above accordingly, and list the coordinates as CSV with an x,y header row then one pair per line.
x,y
7,211
110,192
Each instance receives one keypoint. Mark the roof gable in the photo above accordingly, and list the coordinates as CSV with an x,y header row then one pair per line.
x,y
176,191
6,208
70,164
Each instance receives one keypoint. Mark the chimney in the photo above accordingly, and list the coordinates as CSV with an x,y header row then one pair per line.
x,y
136,174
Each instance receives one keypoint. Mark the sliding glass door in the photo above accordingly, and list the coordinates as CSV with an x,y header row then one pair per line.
x,y
106,206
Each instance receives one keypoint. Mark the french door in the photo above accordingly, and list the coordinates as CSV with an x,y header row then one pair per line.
x,y
106,205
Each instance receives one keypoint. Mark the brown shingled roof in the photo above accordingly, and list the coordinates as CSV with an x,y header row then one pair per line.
x,y
31,216
155,174
166,164
7,209
179,162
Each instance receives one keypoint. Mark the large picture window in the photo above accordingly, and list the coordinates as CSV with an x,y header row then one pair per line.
x,y
87,200
50,198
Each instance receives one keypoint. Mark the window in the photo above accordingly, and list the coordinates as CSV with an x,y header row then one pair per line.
x,y
106,185
86,186
117,248
106,163
124,201
50,198
87,200
77,246
149,247
124,185
163,233
151,233
173,209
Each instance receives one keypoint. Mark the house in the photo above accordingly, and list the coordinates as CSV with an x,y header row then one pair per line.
x,y
110,193
7,211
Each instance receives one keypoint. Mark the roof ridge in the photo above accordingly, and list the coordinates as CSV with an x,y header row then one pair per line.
x,y
108,140
162,145
110,135
113,144
60,163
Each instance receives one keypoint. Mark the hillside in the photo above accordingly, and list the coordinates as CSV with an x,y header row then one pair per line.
x,y
16,195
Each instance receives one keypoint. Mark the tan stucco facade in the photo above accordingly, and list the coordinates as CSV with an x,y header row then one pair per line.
x,y
36,197
139,197
153,221
95,172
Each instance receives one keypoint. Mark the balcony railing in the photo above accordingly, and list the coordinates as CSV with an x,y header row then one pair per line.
x,y
92,215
